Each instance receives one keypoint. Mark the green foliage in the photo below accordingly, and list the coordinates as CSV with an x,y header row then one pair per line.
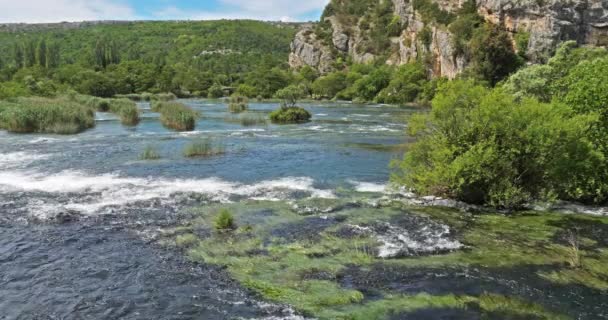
x,y
431,12
522,40
149,153
135,57
405,86
370,85
482,146
204,148
492,54
290,95
126,110
534,81
224,220
288,115
238,103
329,85
175,115
61,116
186,240
215,91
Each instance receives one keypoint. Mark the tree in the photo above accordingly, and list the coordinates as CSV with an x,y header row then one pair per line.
x,y
53,56
30,53
329,85
493,57
407,82
18,55
290,95
41,55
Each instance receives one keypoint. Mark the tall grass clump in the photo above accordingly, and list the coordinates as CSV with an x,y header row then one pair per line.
x,y
204,148
46,115
149,153
125,109
250,120
238,103
175,115
224,220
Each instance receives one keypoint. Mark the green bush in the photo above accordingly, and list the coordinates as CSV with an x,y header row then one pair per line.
x,y
405,86
483,146
238,103
215,91
329,85
175,115
287,115
204,148
224,220
45,115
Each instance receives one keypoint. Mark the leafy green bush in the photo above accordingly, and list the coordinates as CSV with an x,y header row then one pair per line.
x,y
44,115
224,220
238,103
204,148
329,85
407,82
175,115
215,91
287,115
483,146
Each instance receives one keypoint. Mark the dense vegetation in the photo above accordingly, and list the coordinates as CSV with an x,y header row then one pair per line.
x,y
540,135
186,58
175,115
43,115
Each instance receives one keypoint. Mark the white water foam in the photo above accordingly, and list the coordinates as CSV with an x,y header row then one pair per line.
x,y
111,190
397,240
368,186
19,159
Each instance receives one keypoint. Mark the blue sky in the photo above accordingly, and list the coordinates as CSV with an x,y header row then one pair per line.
x,y
79,10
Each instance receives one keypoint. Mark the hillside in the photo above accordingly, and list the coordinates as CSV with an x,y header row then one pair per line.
x,y
442,32
179,56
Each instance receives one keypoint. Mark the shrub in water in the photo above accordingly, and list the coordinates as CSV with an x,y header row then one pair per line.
x,y
203,148
286,115
224,220
175,115
44,115
238,103
149,153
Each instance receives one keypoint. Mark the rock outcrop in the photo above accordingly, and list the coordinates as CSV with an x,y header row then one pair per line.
x,y
547,22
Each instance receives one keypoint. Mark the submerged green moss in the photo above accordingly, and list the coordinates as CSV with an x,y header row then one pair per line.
x,y
293,254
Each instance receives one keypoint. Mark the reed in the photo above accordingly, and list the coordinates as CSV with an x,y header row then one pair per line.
x,y
204,148
149,153
175,115
238,103
126,110
46,115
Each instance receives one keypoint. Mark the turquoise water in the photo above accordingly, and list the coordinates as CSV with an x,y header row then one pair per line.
x,y
77,212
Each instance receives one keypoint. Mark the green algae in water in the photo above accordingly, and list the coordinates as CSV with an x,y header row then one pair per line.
x,y
329,276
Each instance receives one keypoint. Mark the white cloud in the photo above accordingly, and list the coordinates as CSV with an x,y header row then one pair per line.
x,y
281,10
63,10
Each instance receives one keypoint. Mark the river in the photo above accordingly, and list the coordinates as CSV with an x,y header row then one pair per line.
x,y
77,212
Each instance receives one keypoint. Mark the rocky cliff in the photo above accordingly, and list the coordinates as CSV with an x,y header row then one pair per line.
x,y
545,23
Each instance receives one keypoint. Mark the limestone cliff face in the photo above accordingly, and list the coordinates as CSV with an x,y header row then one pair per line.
x,y
548,22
